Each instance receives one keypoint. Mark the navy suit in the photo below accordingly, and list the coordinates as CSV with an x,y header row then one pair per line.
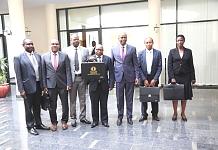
x,y
125,74
26,81
99,90
156,69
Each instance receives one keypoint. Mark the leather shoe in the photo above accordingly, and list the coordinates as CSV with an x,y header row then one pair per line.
x,y
73,123
184,119
94,124
54,127
64,126
119,122
105,124
33,131
142,118
85,121
155,118
129,120
42,126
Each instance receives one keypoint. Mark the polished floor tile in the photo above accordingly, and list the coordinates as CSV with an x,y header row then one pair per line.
x,y
200,132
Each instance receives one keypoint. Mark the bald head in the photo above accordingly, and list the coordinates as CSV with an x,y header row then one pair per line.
x,y
122,38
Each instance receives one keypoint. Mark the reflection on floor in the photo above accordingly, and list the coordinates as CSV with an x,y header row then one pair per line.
x,y
200,132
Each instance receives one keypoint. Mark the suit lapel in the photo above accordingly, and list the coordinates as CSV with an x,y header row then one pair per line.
x,y
144,60
27,59
59,59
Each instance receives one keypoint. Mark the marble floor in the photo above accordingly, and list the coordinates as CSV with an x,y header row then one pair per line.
x,y
199,133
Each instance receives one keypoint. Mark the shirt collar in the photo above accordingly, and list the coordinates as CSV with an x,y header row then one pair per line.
x,y
147,51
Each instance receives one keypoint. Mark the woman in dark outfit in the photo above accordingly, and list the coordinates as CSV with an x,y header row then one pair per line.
x,y
181,70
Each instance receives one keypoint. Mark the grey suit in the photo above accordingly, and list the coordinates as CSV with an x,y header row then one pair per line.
x,y
26,81
78,85
57,82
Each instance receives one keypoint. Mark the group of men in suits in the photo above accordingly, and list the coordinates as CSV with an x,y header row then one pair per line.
x,y
59,73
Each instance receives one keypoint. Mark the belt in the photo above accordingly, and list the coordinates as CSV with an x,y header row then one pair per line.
x,y
78,75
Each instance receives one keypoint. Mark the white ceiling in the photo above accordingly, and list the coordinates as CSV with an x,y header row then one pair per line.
x,y
37,3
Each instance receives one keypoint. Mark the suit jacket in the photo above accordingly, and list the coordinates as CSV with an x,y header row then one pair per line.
x,y
105,83
61,77
128,67
156,67
177,64
25,73
70,51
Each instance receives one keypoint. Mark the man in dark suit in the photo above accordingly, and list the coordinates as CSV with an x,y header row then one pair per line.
x,y
150,66
99,89
28,67
57,81
126,72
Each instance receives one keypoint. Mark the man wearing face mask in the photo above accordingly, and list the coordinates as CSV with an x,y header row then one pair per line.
x,y
57,81
28,68
99,89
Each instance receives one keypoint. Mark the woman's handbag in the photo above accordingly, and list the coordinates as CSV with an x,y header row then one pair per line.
x,y
174,92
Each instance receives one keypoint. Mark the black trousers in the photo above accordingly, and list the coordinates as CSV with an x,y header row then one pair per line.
x,y
154,105
63,94
32,107
99,96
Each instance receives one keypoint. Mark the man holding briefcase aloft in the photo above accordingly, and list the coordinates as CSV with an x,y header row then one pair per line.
x,y
150,67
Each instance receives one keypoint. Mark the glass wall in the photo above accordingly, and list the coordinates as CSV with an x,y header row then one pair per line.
x,y
132,14
83,18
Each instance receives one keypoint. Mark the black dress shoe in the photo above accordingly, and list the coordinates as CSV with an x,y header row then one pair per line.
x,y
94,124
105,124
129,120
142,118
155,118
33,131
42,126
119,122
174,119
85,121
73,123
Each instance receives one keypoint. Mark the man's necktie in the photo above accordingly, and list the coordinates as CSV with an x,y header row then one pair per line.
x,y
55,62
99,59
76,60
35,65
123,54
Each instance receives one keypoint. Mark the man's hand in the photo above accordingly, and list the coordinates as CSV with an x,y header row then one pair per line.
x,y
92,59
45,90
153,82
110,89
173,80
146,83
23,94
69,87
136,81
193,81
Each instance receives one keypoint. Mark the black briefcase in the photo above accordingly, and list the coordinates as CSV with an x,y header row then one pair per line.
x,y
149,94
93,70
46,102
174,92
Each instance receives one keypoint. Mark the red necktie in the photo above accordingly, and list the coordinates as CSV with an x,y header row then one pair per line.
x,y
55,62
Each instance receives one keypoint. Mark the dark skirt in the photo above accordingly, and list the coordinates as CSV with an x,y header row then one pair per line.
x,y
185,79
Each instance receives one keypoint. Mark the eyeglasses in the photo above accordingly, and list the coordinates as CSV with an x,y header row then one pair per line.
x,y
99,49
54,44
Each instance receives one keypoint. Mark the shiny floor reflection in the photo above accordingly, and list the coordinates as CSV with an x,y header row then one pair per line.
x,y
199,133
